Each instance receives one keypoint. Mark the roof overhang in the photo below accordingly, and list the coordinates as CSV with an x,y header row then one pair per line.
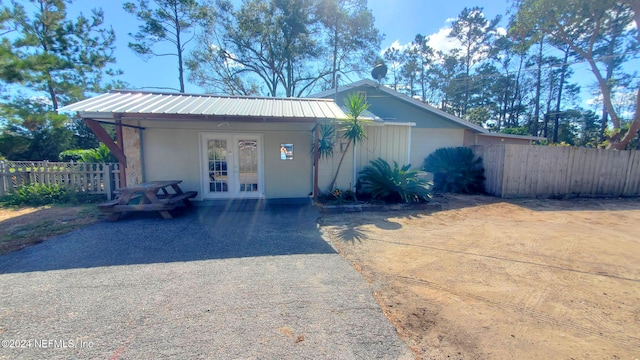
x,y
479,130
421,105
112,117
139,105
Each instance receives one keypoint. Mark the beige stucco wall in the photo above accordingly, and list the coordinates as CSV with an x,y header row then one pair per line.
x,y
288,178
469,138
172,151
426,141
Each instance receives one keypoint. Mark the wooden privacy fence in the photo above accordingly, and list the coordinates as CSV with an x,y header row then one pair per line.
x,y
96,178
552,171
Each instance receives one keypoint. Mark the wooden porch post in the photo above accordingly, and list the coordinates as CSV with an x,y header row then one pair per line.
x,y
316,158
123,165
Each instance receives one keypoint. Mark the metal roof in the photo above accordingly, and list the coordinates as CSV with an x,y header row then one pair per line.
x,y
148,105
403,97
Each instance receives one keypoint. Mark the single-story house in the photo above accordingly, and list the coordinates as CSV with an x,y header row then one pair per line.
x,y
405,130
228,147
221,146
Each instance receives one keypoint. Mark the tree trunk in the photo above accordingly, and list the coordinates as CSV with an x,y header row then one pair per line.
x,y
467,84
536,113
634,127
609,63
548,113
334,65
513,113
556,120
635,6
52,92
335,177
176,18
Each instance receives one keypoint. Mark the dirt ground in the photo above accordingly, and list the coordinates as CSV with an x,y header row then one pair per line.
x,y
491,279
30,225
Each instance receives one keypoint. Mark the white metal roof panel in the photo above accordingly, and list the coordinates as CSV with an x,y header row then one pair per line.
x,y
131,103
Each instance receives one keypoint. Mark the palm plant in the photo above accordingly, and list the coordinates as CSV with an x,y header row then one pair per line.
x,y
101,154
393,184
353,129
456,169
325,141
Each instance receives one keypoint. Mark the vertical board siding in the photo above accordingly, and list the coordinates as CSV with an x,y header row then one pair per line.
x,y
632,179
537,171
389,142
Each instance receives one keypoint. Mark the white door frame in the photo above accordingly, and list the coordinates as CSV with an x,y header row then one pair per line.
x,y
233,168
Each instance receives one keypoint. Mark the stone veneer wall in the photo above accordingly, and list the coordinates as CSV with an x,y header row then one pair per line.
x,y
131,138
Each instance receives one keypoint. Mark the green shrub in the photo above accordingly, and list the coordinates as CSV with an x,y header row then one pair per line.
x,y
38,195
456,169
338,197
393,185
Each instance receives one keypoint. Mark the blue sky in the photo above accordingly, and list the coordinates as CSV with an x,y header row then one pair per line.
x,y
399,20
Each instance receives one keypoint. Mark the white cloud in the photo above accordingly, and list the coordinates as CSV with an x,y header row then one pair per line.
x,y
632,25
441,41
396,45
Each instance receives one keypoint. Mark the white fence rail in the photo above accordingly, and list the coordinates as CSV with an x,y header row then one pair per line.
x,y
553,171
95,178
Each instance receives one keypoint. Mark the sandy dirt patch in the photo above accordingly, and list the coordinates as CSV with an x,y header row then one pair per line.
x,y
490,279
31,225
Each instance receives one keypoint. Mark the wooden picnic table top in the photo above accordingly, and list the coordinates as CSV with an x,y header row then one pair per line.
x,y
151,185
149,196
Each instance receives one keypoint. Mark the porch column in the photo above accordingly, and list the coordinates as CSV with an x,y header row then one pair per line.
x,y
132,147
316,161
123,166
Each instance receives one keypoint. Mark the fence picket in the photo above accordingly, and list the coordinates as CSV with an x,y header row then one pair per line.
x,y
530,171
93,178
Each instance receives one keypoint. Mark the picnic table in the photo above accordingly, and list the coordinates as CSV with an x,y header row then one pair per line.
x,y
160,196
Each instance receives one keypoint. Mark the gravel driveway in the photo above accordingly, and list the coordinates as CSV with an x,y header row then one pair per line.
x,y
214,282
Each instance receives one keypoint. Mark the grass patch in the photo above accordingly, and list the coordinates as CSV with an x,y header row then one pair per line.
x,y
24,226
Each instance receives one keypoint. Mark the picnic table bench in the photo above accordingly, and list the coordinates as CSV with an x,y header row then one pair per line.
x,y
160,196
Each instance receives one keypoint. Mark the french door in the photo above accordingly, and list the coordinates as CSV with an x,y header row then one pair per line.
x,y
232,166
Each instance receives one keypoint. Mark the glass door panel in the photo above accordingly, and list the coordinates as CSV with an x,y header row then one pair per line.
x,y
217,165
248,166
232,166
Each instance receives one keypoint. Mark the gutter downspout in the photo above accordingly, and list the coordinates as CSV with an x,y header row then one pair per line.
x,y
141,138
316,164
409,146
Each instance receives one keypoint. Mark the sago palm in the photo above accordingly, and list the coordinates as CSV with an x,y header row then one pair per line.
x,y
397,184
